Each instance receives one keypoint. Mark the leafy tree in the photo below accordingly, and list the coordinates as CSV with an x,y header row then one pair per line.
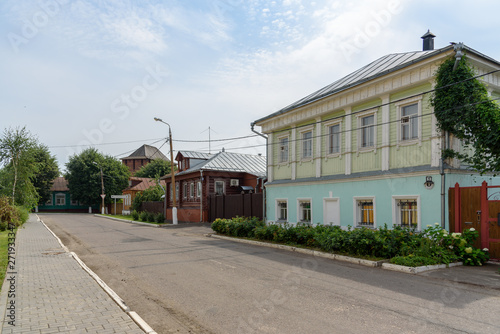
x,y
47,171
84,176
155,169
151,194
15,147
463,108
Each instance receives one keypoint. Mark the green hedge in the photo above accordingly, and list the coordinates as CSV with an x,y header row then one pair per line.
x,y
403,245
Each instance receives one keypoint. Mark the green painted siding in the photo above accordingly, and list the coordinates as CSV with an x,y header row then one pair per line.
x,y
410,155
283,172
65,205
331,166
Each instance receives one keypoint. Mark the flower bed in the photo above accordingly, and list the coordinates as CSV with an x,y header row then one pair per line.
x,y
402,246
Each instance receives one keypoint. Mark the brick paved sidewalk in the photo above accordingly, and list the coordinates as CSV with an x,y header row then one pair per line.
x,y
53,294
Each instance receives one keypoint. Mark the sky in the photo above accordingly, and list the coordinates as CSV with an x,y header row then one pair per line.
x,y
82,73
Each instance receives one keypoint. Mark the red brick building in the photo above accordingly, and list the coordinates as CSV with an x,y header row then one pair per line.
x,y
141,157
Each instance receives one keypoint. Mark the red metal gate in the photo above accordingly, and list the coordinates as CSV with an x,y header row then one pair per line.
x,y
479,208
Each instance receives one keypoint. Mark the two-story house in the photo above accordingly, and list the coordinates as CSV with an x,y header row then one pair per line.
x,y
366,149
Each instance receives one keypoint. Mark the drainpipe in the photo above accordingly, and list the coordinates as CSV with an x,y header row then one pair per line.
x,y
263,188
201,197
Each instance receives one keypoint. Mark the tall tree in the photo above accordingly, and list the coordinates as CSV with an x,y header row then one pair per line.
x,y
84,176
15,146
155,169
464,108
47,171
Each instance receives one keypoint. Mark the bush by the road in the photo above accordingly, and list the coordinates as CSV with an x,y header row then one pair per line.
x,y
402,245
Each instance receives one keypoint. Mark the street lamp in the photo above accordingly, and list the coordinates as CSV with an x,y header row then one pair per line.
x,y
172,171
102,187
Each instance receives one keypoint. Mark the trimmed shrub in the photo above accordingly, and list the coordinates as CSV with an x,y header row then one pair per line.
x,y
143,216
151,217
160,218
135,215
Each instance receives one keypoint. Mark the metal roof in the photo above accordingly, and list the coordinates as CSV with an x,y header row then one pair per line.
x,y
377,68
232,162
195,155
147,152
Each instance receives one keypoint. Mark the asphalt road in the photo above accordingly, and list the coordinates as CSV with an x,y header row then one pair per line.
x,y
180,281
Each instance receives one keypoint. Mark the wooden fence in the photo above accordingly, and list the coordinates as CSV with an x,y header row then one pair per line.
x,y
229,206
156,207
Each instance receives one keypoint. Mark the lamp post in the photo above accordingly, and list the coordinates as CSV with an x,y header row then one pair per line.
x,y
172,171
102,187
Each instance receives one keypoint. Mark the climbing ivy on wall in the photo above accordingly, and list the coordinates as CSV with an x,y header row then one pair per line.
x,y
463,108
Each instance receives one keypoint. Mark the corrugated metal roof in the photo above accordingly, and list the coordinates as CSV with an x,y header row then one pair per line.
x,y
195,155
147,152
377,68
232,162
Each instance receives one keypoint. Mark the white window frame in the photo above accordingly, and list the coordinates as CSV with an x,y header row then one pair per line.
x,y
357,210
399,106
360,128
299,210
396,213
50,201
223,187
278,210
303,157
198,189
327,138
281,152
191,190
177,186
63,199
184,190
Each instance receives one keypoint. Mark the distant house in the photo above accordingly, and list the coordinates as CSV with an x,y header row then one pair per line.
x,y
141,157
61,200
201,175
136,185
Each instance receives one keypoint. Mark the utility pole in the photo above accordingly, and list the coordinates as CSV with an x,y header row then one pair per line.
x,y
102,193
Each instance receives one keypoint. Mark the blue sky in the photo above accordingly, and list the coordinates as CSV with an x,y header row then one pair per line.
x,y
79,73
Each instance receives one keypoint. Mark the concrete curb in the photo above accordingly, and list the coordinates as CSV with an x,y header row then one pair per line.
x,y
132,221
133,315
368,263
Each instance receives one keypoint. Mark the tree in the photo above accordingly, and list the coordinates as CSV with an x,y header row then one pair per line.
x,y
151,194
15,146
463,108
47,171
155,169
84,176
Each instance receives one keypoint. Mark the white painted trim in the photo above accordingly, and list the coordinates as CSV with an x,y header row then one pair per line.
x,y
279,138
395,211
277,209
305,199
356,212
348,141
359,129
331,199
294,152
399,105
270,156
302,131
318,147
385,132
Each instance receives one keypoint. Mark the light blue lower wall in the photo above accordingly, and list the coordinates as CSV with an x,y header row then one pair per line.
x,y
382,190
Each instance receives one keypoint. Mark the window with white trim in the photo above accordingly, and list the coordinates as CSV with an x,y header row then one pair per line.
x,y
283,149
333,139
305,211
191,190
219,187
184,190
409,122
367,131
307,144
177,191
281,210
49,202
60,199
198,189
364,211
406,211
